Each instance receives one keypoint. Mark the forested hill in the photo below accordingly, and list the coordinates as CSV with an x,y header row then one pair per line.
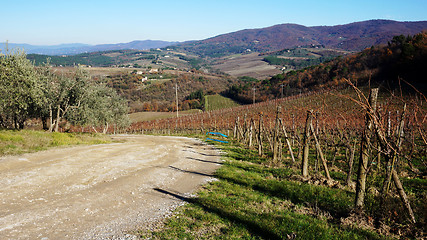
x,y
351,37
393,66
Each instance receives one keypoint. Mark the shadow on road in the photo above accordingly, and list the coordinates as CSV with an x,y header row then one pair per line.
x,y
177,196
205,161
192,172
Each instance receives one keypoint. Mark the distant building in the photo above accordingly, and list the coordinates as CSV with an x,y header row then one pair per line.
x,y
154,70
144,79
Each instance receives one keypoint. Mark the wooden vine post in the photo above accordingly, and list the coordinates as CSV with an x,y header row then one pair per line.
x,y
251,129
364,149
260,130
287,141
392,155
276,135
352,150
306,144
236,129
319,150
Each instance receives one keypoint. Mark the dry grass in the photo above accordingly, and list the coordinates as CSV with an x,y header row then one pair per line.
x,y
14,142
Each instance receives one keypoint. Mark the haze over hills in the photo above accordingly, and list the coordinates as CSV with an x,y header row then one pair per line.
x,y
77,48
350,37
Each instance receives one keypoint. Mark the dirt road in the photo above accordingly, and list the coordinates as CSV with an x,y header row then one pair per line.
x,y
100,191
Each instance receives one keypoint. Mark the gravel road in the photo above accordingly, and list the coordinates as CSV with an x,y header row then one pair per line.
x,y
100,191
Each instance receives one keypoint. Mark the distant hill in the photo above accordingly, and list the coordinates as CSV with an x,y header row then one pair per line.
x,y
77,48
399,65
350,37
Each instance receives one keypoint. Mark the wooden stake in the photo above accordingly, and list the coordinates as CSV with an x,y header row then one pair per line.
x,y
287,141
319,150
306,143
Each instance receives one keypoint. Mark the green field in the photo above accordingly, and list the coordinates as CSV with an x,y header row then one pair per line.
x,y
215,102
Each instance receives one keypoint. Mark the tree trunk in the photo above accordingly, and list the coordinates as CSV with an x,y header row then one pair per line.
x,y
51,123
105,129
44,123
58,118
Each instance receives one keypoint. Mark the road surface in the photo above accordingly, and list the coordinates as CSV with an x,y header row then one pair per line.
x,y
100,191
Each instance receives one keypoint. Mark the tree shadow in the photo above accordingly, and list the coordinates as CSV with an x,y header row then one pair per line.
x,y
248,224
192,172
205,161
298,193
177,196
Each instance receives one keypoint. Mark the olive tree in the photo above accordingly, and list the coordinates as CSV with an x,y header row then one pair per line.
x,y
62,95
102,107
20,90
30,92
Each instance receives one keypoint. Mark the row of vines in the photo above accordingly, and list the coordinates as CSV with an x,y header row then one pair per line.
x,y
359,141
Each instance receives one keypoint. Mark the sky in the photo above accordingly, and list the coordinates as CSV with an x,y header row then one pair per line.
x,y
48,22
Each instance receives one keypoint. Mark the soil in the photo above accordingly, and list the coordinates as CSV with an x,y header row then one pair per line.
x,y
251,65
100,191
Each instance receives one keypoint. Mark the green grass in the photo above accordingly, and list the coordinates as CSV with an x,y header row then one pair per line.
x,y
215,102
254,201
17,142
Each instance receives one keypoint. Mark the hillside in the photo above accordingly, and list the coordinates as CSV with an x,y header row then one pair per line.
x,y
157,92
259,53
152,58
402,60
349,37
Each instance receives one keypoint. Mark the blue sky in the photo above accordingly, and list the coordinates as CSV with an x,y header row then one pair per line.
x,y
96,22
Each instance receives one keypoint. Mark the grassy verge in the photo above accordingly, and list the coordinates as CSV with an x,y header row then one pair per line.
x,y
254,201
24,141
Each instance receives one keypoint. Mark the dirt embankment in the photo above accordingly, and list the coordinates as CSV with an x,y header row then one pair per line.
x,y
100,191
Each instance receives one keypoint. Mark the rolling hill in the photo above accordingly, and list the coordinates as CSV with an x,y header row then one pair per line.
x,y
350,37
399,65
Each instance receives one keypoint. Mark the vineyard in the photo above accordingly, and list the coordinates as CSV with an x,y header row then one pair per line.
x,y
359,141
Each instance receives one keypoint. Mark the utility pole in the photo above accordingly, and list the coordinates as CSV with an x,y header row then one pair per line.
x,y
176,94
282,85
254,94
